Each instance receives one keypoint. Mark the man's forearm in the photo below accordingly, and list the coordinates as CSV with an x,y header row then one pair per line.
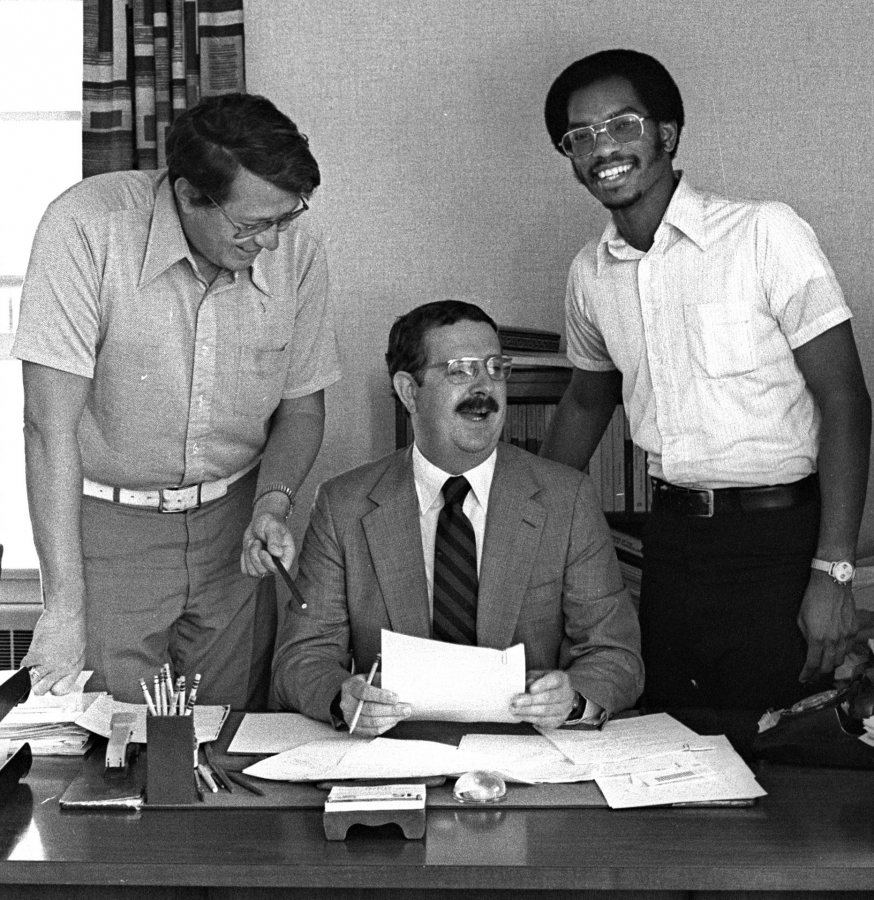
x,y
843,475
54,490
296,434
575,432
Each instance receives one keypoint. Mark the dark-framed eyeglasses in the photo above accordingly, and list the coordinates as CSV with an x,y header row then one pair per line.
x,y
246,231
465,369
580,142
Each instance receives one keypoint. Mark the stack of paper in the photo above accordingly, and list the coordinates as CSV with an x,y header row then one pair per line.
x,y
642,761
208,720
47,722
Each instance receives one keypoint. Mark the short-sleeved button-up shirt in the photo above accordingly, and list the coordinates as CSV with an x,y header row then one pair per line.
x,y
185,376
702,327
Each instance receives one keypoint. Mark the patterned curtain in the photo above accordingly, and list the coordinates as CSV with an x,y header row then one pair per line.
x,y
146,60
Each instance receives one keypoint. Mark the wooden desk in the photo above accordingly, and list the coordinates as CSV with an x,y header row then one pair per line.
x,y
813,833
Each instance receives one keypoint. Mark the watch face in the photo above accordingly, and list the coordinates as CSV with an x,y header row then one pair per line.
x,y
843,571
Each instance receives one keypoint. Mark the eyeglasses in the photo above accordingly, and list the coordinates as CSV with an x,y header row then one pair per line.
x,y
580,142
467,368
246,231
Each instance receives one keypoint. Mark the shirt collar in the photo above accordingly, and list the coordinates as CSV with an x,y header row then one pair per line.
x,y
429,480
167,244
685,214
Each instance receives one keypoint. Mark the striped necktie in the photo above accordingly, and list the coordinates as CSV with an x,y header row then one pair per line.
x,y
455,578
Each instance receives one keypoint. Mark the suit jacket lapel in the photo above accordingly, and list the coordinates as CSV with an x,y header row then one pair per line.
x,y
394,539
514,526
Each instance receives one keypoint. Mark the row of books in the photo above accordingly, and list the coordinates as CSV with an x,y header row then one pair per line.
x,y
617,467
629,552
527,423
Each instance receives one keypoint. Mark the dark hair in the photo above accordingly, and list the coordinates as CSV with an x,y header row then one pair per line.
x,y
406,340
652,82
208,144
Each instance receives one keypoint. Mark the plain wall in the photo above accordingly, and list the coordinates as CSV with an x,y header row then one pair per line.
x,y
439,179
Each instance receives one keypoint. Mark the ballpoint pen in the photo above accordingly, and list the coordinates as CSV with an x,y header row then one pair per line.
x,y
360,706
288,582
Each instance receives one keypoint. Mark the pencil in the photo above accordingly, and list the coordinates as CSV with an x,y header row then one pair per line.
x,y
288,582
206,775
149,704
243,782
360,706
192,695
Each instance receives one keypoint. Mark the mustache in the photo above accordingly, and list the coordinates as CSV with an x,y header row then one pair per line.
x,y
478,405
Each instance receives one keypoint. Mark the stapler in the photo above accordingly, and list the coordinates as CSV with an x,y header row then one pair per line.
x,y
118,750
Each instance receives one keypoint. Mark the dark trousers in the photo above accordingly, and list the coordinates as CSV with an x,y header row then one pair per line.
x,y
718,607
167,587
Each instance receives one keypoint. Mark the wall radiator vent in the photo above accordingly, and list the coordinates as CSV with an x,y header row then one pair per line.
x,y
14,645
17,621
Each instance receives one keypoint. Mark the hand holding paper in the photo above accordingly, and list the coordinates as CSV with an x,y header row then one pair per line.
x,y
547,701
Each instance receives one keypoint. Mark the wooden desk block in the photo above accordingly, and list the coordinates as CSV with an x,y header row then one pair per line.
x,y
411,822
375,805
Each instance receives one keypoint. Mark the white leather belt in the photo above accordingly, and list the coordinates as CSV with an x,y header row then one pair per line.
x,y
166,500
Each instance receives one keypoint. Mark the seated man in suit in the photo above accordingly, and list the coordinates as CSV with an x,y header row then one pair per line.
x,y
518,551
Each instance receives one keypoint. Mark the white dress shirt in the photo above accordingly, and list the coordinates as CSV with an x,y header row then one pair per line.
x,y
429,488
702,327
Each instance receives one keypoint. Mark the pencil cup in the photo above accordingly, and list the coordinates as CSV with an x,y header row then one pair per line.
x,y
170,748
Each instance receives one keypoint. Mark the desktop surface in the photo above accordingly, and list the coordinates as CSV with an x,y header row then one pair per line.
x,y
813,833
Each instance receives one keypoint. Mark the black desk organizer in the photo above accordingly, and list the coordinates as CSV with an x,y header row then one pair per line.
x,y
13,691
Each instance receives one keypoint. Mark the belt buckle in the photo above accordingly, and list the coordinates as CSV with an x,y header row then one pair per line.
x,y
710,503
177,500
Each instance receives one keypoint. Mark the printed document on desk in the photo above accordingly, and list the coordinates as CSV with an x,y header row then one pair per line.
x,y
208,720
260,733
452,682
711,774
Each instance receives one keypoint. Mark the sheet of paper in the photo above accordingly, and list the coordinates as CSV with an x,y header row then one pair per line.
x,y
274,732
48,707
529,759
208,720
377,758
619,739
691,776
452,682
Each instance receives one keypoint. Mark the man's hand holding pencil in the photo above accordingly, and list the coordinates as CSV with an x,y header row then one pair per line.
x,y
367,708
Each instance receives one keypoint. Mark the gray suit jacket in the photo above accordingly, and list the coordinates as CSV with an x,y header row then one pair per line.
x,y
548,579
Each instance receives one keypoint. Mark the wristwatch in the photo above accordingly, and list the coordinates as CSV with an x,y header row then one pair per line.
x,y
577,709
842,570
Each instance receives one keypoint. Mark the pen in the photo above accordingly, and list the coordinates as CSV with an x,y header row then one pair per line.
x,y
288,582
243,782
197,786
360,706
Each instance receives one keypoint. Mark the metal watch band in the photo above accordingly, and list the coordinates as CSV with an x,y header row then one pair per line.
x,y
283,489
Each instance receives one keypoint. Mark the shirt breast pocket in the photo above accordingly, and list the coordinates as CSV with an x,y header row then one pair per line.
x,y
720,338
260,380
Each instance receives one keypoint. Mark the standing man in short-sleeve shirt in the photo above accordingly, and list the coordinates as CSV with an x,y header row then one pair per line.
x,y
176,337
721,327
